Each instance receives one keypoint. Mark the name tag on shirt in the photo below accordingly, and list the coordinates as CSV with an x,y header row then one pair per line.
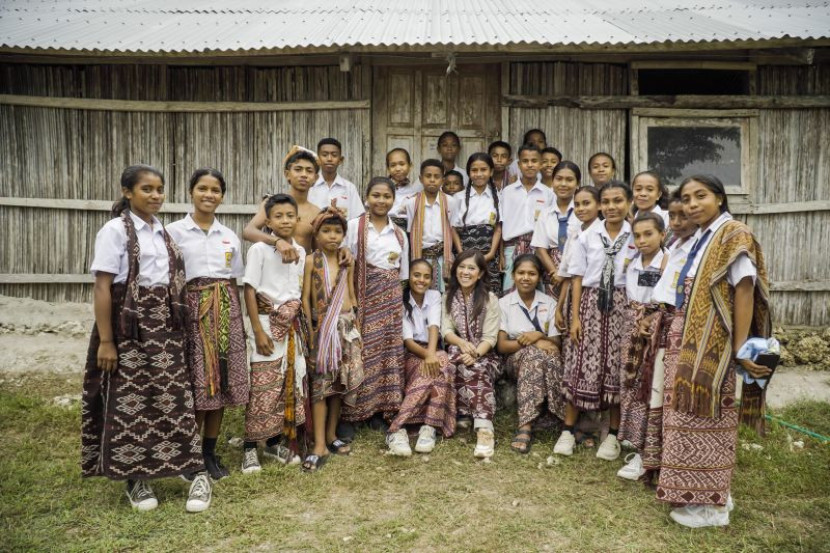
x,y
675,279
648,279
393,256
538,210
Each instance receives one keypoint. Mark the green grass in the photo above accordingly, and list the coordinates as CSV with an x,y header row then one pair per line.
x,y
378,503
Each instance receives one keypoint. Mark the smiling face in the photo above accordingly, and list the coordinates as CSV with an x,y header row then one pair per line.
x,y
431,178
565,184
647,238
679,223
329,237
480,174
586,207
330,158
529,163
614,204
448,149
501,158
549,161
398,166
206,194
301,175
602,170
468,274
701,205
147,196
526,277
282,220
646,192
380,200
420,278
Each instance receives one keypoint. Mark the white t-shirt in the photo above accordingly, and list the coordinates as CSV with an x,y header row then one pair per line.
x,y
515,322
217,254
111,252
481,211
588,256
423,317
520,208
640,281
382,249
343,192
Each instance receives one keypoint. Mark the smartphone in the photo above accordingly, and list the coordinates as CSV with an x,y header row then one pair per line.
x,y
769,360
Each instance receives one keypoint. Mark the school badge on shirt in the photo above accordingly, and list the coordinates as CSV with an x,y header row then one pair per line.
x,y
492,220
393,256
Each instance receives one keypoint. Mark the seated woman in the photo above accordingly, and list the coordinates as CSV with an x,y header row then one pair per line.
x,y
530,341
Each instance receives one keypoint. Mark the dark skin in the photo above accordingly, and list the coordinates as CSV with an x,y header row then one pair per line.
x,y
420,279
564,185
448,149
526,277
480,174
146,198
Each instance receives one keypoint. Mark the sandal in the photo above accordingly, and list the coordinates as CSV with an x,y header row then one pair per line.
x,y
313,462
339,447
523,437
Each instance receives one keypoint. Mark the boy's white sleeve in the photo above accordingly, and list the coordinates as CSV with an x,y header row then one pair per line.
x,y
253,269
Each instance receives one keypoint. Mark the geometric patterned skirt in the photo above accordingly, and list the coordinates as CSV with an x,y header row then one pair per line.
x,y
594,363
138,421
225,332
428,400
480,238
538,377
633,412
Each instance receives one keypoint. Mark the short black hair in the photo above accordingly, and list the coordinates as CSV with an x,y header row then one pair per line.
x,y
454,173
526,137
302,154
658,221
380,181
402,150
431,163
330,142
277,199
500,144
207,171
554,151
528,148
445,134
339,221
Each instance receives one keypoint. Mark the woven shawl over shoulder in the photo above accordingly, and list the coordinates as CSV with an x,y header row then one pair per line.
x,y
706,348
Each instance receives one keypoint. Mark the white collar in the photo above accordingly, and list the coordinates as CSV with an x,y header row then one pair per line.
x,y
338,181
603,230
429,299
656,262
515,299
716,224
555,207
140,223
191,224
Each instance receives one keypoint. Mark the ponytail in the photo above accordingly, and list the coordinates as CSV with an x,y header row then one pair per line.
x,y
119,207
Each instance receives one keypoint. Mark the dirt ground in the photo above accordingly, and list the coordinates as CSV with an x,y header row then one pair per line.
x,y
41,336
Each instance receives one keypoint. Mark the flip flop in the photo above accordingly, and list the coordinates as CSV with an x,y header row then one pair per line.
x,y
522,437
337,447
313,463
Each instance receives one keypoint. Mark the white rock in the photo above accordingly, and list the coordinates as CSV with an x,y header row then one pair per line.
x,y
799,444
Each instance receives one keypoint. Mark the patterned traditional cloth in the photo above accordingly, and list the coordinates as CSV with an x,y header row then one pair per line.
x,y
539,377
592,375
605,299
416,242
216,349
556,256
346,372
435,256
513,249
473,384
379,300
480,237
428,400
278,388
138,421
706,354
633,407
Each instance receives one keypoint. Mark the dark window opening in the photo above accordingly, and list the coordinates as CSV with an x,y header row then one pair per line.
x,y
673,82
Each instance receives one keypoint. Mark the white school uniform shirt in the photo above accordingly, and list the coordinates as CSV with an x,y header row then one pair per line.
x,y
111,252
342,191
481,211
589,255
402,194
657,210
215,254
515,322
546,231
423,317
280,282
739,269
567,253
666,289
433,231
382,248
634,290
520,208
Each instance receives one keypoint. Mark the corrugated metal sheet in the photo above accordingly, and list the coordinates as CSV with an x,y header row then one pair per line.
x,y
196,26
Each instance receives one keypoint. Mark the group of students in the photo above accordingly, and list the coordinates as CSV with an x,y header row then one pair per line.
x,y
402,311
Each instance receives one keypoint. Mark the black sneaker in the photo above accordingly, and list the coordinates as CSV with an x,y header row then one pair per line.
x,y
215,468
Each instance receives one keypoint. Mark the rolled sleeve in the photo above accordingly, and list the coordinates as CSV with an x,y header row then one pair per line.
x,y
492,319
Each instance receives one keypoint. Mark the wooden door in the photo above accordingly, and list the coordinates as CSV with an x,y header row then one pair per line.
x,y
413,105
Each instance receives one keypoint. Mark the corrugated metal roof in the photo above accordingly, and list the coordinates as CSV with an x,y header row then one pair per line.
x,y
205,26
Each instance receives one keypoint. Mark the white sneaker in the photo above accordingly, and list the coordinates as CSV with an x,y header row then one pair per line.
x,y
485,444
250,461
398,443
426,439
701,516
141,496
565,444
609,449
730,505
633,468
198,499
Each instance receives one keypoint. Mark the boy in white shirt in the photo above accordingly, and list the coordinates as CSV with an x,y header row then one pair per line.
x,y
332,190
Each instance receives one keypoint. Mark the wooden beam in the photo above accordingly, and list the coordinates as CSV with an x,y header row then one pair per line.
x,y
676,102
104,205
176,107
790,207
800,286
693,64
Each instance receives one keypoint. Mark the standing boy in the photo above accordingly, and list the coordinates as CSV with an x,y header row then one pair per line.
x,y
278,365
449,146
502,155
331,189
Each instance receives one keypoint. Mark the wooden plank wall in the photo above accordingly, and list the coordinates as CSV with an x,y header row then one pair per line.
x,y
576,133
79,154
